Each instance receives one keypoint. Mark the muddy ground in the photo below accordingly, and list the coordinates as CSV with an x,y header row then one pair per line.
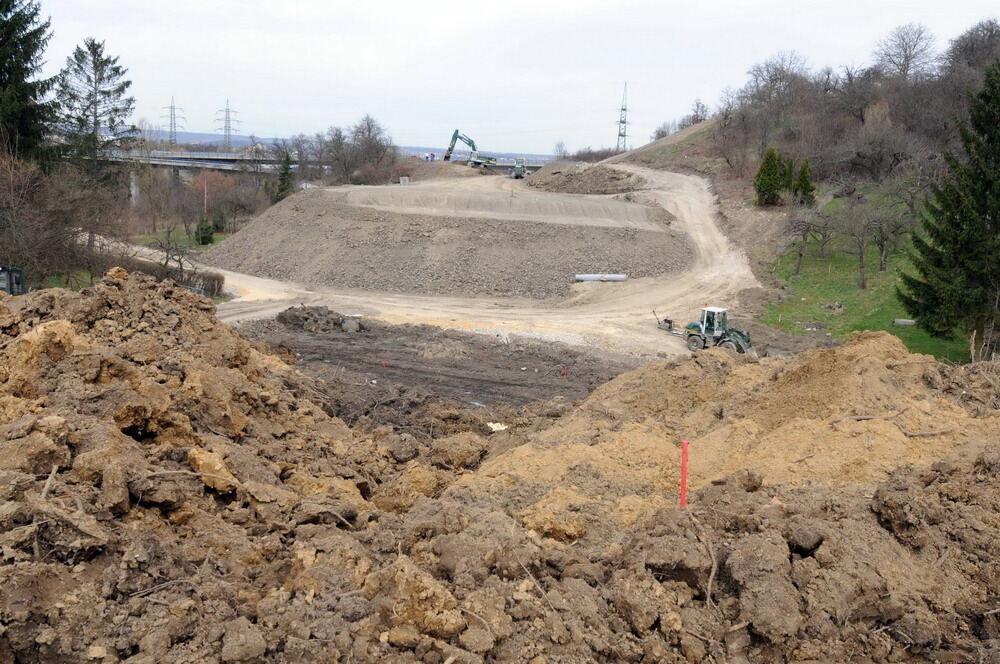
x,y
172,493
472,369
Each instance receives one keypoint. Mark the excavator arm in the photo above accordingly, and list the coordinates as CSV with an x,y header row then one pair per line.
x,y
458,136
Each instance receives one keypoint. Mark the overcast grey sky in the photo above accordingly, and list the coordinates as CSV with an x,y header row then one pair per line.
x,y
516,75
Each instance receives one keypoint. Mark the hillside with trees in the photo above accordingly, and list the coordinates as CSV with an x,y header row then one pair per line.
x,y
835,166
67,212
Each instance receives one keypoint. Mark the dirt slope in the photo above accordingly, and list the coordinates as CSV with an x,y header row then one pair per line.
x,y
313,239
171,494
504,199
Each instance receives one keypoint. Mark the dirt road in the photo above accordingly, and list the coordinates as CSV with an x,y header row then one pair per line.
x,y
613,316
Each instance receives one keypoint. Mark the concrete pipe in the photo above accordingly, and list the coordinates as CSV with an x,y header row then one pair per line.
x,y
601,277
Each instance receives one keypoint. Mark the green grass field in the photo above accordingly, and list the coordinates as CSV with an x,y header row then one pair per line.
x,y
151,239
75,280
823,282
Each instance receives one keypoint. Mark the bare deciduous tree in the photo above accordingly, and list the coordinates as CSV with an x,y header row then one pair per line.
x,y
906,52
855,220
800,228
664,130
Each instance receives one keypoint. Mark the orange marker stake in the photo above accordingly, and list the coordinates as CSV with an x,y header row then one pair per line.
x,y
684,474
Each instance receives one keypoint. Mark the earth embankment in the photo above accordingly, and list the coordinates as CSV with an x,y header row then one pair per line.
x,y
317,239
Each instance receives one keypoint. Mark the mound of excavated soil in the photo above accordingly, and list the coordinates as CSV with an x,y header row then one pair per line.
x,y
311,239
171,494
848,414
579,178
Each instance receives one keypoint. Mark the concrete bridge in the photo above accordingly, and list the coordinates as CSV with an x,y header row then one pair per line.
x,y
216,161
245,161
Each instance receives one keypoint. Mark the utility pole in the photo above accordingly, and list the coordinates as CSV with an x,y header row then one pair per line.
x,y
623,122
228,121
175,116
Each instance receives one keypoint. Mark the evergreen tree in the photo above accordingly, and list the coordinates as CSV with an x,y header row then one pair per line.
x,y
789,182
93,106
770,179
24,112
804,187
956,286
205,233
285,182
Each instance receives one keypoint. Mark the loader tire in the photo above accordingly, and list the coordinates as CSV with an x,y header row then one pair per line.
x,y
731,346
695,342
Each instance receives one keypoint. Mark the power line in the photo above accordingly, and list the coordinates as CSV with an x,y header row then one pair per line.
x,y
623,122
175,117
227,120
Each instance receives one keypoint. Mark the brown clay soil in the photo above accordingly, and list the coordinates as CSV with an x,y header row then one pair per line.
x,y
172,493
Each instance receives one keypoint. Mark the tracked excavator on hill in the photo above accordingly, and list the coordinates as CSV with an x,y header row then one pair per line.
x,y
712,329
475,159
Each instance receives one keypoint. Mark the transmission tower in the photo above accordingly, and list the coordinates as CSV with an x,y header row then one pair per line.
x,y
623,122
175,116
228,120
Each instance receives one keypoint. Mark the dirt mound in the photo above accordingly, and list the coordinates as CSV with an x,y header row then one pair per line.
x,y
311,239
170,493
319,320
418,169
579,178
848,414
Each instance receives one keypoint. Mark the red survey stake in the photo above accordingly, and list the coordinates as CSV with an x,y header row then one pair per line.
x,y
684,474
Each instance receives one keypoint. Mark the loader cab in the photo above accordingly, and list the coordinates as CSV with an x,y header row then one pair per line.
x,y
714,321
12,281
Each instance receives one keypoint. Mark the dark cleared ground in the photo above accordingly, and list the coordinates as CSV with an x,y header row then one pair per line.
x,y
468,368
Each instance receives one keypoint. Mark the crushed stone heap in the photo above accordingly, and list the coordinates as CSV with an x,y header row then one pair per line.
x,y
170,493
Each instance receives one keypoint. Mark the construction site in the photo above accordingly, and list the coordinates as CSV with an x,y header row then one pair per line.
x,y
414,435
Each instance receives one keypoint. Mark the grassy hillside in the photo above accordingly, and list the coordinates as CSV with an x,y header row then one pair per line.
x,y
823,284
689,149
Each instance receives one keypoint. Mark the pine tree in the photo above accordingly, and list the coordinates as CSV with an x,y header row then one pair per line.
x,y
789,182
804,187
205,233
93,106
285,183
769,179
956,256
24,111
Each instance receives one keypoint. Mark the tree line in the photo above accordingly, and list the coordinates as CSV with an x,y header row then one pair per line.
x,y
61,199
908,149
